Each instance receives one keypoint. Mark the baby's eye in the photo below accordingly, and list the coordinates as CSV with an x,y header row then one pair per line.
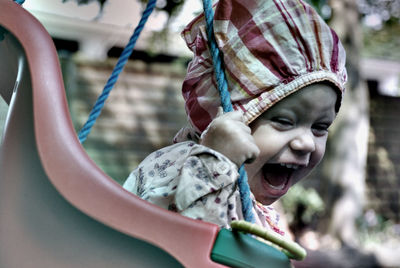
x,y
320,129
282,122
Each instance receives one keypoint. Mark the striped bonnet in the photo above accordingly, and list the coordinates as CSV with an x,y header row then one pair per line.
x,y
271,48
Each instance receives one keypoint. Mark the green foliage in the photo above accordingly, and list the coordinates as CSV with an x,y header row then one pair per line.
x,y
382,43
387,10
322,7
307,198
375,229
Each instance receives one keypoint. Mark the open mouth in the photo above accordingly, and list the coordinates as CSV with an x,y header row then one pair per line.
x,y
277,176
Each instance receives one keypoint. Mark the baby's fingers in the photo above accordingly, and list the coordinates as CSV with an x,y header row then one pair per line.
x,y
220,112
234,115
253,153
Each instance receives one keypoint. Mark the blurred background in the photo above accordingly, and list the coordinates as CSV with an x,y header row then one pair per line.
x,y
347,213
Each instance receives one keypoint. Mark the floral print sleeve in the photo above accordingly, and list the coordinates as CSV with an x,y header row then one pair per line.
x,y
194,181
187,178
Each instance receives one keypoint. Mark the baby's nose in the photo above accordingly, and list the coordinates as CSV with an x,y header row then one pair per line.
x,y
303,142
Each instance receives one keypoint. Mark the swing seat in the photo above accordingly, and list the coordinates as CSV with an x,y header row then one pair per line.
x,y
57,207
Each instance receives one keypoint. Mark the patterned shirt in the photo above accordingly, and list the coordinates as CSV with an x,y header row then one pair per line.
x,y
197,182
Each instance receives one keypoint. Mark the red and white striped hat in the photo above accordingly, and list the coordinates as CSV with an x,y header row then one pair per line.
x,y
270,50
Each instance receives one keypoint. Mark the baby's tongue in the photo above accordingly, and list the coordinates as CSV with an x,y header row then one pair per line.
x,y
275,174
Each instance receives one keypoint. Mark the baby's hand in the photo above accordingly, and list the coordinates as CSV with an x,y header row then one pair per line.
x,y
229,135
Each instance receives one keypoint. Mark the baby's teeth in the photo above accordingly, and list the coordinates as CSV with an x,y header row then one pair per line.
x,y
293,166
279,187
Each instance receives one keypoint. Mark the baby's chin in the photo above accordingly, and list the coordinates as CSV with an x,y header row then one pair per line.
x,y
267,200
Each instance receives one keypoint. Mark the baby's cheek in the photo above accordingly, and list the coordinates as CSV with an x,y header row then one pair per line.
x,y
321,148
317,156
270,143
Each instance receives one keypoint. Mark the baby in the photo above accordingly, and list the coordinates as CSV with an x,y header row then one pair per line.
x,y
286,75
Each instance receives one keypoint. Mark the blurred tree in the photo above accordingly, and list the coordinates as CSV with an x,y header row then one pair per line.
x,y
383,12
381,20
342,173
345,160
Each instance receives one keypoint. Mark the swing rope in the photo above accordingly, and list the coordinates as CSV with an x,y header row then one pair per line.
x,y
94,114
222,86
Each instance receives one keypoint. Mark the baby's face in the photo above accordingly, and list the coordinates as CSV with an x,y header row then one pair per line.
x,y
291,137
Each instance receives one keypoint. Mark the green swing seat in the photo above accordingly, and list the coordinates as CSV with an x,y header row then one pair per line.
x,y
57,208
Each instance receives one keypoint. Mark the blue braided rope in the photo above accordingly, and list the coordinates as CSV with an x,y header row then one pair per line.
x,y
222,83
94,114
222,86
244,189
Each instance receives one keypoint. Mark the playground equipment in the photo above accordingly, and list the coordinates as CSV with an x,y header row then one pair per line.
x,y
57,208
